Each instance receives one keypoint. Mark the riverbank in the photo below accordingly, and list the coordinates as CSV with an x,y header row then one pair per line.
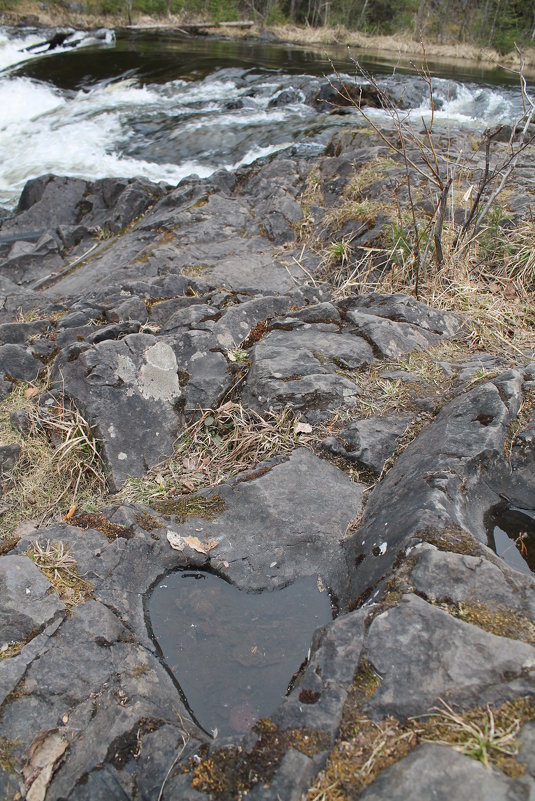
x,y
402,45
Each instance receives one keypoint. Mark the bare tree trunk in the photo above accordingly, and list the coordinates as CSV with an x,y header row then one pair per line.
x,y
493,26
362,16
128,4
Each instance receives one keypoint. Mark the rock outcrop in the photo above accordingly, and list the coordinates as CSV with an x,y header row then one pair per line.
x,y
148,304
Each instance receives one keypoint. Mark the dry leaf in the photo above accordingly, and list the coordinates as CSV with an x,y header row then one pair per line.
x,y
31,392
189,485
178,542
468,194
70,513
230,356
175,540
200,547
43,756
302,428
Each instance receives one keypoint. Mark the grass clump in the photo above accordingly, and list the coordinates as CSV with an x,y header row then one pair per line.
x,y
366,747
59,466
60,567
220,444
484,734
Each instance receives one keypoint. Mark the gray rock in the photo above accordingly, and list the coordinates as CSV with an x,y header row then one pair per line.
x,y
526,751
405,309
131,309
460,662
318,697
237,321
9,456
369,442
125,386
291,780
443,576
106,684
21,421
20,333
440,773
437,481
27,602
299,368
191,317
205,371
16,362
390,338
262,535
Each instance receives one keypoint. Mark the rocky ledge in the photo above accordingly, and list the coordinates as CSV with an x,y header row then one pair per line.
x,y
156,317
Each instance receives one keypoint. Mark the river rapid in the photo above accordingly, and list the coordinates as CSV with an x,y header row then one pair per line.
x,y
163,105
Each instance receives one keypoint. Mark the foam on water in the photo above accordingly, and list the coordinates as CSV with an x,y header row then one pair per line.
x,y
12,49
43,130
126,126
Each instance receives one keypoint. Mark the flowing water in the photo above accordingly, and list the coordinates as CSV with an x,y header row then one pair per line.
x,y
164,105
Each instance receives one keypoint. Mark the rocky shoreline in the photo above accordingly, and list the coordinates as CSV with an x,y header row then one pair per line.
x,y
136,306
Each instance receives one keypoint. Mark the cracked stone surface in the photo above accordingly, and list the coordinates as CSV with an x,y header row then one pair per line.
x,y
203,296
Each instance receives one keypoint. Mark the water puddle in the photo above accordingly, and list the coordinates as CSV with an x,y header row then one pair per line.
x,y
511,534
233,653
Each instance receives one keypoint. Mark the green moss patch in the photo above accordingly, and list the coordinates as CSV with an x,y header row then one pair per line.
x,y
450,538
229,773
495,619
190,506
8,761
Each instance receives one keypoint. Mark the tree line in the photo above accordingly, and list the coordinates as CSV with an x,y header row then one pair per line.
x,y
489,23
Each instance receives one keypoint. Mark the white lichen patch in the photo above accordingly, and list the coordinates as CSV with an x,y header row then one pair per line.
x,y
158,377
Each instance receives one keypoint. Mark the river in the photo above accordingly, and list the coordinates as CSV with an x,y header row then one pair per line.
x,y
164,105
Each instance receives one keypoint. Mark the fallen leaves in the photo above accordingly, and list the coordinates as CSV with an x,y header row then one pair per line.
x,y
178,542
302,428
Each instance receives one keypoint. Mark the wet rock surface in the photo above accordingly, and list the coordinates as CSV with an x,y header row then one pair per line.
x,y
150,304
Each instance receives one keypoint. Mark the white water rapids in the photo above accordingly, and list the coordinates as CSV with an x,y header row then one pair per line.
x,y
130,125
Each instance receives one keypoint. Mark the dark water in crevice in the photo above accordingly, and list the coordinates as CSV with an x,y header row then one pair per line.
x,y
511,534
233,653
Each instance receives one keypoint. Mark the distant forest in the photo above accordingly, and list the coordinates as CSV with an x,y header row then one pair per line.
x,y
489,23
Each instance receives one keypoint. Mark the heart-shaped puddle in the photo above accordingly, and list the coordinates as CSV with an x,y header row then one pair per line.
x,y
233,653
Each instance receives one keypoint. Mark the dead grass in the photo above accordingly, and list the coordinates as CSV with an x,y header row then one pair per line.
x,y
59,467
366,747
60,567
220,444
498,308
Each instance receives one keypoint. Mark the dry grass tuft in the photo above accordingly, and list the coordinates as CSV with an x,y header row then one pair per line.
x,y
220,444
60,567
366,747
59,467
